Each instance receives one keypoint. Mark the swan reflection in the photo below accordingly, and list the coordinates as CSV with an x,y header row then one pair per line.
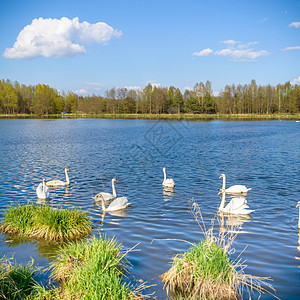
x,y
233,223
168,193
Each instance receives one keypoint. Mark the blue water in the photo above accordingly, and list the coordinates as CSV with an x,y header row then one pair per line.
x,y
263,155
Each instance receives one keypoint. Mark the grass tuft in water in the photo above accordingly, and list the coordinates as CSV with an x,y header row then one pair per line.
x,y
91,269
16,281
44,222
206,271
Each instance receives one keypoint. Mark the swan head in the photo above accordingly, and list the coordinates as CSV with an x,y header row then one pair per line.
x,y
44,181
114,180
67,169
164,168
221,191
298,204
222,175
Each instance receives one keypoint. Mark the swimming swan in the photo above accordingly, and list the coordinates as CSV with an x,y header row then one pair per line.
x,y
236,206
235,189
117,204
298,205
167,182
57,183
107,196
42,191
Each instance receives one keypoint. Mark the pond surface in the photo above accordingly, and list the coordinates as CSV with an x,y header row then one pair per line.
x,y
263,155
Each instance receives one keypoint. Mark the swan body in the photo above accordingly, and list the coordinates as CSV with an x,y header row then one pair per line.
x,y
57,183
298,205
42,191
167,182
117,204
235,189
107,196
236,206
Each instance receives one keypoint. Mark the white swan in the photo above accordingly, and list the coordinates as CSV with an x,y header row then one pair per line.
x,y
107,196
167,182
235,189
42,191
237,206
298,205
117,204
57,183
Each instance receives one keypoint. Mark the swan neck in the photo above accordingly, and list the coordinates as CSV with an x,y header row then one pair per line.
x,y
222,205
224,182
67,177
44,187
113,189
299,219
165,175
103,205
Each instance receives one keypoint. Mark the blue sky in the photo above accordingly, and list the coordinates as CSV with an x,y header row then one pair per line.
x,y
91,46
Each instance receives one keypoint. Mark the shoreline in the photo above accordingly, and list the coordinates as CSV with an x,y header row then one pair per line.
x,y
182,116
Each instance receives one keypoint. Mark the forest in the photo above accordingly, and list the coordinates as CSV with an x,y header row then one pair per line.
x,y
41,99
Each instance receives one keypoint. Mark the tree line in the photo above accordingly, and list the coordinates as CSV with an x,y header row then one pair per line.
x,y
250,98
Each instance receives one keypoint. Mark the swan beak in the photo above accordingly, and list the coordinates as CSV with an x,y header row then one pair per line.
x,y
94,198
117,180
219,192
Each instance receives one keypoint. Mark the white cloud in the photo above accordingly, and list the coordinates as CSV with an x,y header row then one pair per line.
x,y
58,38
292,48
133,87
296,80
295,24
155,85
242,54
263,20
204,52
81,92
216,93
229,42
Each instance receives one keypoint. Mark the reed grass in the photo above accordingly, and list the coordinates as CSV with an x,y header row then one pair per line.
x,y
44,222
206,270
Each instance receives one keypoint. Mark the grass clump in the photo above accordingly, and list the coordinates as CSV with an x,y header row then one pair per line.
x,y
44,222
206,271
17,281
91,269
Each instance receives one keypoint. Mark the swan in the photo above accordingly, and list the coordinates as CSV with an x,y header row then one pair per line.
x,y
117,204
167,182
42,191
298,205
107,196
235,189
237,206
56,183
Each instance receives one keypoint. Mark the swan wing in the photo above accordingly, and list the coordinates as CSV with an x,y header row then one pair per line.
x,y
55,183
118,203
105,196
237,189
236,203
169,182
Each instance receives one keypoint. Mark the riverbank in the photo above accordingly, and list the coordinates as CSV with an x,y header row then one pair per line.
x,y
159,116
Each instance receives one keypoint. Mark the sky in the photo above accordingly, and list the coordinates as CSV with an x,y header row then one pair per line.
x,y
89,47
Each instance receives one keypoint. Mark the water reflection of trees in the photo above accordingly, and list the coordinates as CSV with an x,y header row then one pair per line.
x,y
45,250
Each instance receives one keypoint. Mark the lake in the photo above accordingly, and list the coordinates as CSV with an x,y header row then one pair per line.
x,y
263,155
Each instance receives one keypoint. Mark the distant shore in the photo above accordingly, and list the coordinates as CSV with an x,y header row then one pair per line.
x,y
160,116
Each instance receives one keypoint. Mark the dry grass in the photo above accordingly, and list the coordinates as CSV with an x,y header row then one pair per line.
x,y
206,271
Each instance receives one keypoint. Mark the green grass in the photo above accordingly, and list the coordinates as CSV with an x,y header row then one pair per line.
x,y
206,270
44,222
16,281
90,269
